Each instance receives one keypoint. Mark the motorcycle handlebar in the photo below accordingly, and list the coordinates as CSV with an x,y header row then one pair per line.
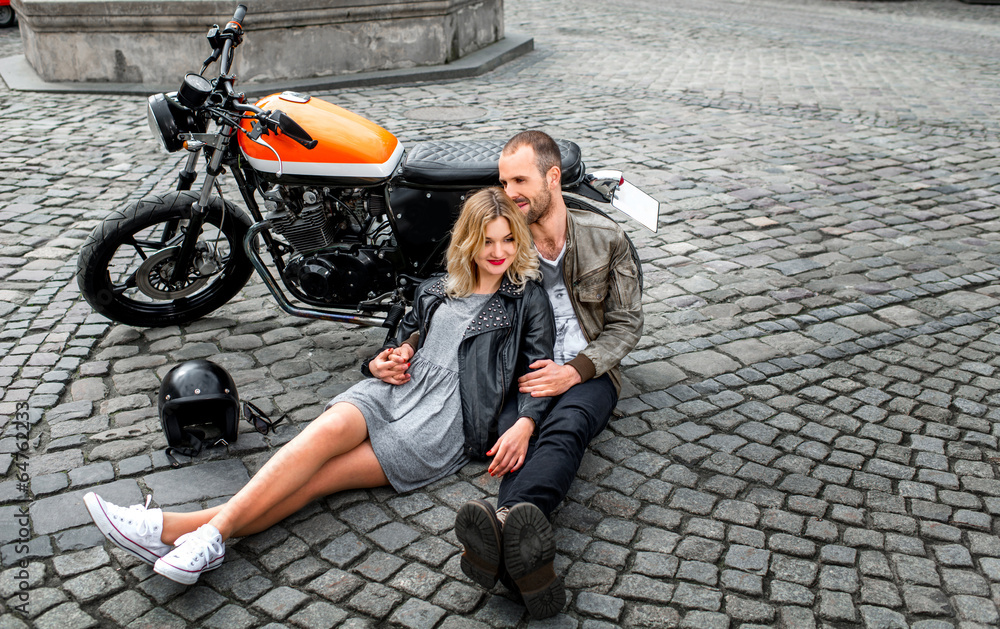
x,y
227,56
241,11
234,37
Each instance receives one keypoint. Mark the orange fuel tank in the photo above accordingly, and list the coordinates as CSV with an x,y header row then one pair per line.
x,y
350,149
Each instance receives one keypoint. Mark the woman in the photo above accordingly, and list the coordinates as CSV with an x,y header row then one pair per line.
x,y
418,420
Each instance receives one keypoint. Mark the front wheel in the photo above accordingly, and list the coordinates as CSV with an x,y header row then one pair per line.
x,y
125,266
6,16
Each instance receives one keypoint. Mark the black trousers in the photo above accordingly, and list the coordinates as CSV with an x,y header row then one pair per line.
x,y
554,456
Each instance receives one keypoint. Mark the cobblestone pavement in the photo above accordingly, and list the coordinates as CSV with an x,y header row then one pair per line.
x,y
808,437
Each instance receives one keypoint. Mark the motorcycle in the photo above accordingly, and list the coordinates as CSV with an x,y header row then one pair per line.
x,y
351,222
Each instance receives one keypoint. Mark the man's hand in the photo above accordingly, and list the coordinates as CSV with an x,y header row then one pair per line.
x,y
391,364
548,379
509,450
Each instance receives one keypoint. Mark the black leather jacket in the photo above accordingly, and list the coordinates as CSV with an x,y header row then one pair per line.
x,y
514,329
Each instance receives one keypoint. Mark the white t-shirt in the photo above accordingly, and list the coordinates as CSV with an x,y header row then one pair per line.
x,y
570,340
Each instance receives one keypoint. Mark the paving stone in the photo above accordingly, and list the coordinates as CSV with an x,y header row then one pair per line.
x,y
280,602
838,578
795,570
334,585
94,584
976,609
65,616
417,614
789,544
125,607
747,559
836,554
600,605
212,479
964,582
640,615
953,555
692,596
745,583
699,549
746,536
75,563
698,571
711,620
585,575
925,600
230,616
343,550
991,567
458,597
375,600
744,609
318,615
705,528
881,618
40,601
836,606
792,616
195,603
783,592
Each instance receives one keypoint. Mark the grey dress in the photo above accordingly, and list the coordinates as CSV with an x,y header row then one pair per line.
x,y
416,428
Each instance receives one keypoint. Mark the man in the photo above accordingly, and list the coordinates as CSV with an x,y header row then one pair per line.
x,y
592,280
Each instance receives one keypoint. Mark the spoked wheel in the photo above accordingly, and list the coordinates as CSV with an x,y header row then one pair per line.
x,y
126,267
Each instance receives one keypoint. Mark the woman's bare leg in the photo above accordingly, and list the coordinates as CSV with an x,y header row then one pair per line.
x,y
337,431
357,469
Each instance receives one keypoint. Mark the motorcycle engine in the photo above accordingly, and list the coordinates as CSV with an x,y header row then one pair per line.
x,y
339,258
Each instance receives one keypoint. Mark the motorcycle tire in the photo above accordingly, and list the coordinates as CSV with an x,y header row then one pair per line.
x,y
123,264
6,16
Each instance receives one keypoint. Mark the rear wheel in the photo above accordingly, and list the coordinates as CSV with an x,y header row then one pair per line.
x,y
6,16
126,265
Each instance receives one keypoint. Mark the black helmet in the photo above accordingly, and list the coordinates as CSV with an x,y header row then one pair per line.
x,y
198,392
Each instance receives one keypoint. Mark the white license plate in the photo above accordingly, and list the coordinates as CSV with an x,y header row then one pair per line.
x,y
633,201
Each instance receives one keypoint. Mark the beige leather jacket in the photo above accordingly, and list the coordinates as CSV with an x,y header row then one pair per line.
x,y
603,283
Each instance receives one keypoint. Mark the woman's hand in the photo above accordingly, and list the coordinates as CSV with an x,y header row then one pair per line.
x,y
509,450
391,364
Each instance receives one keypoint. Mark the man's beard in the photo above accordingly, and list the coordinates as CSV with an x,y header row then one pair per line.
x,y
538,208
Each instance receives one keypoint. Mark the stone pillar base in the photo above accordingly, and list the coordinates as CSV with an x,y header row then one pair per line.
x,y
147,42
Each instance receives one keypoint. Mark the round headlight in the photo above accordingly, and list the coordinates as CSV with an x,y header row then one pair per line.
x,y
163,124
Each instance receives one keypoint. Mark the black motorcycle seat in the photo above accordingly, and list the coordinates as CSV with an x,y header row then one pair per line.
x,y
473,163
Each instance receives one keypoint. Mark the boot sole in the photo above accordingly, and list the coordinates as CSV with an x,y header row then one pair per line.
x,y
528,551
477,528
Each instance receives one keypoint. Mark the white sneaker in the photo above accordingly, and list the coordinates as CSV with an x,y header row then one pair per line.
x,y
134,529
195,552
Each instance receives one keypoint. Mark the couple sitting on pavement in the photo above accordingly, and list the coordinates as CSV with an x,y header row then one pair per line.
x,y
559,321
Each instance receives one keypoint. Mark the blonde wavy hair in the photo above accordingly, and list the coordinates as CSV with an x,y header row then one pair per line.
x,y
469,235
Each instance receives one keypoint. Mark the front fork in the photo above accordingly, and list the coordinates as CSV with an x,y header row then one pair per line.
x,y
190,172
199,210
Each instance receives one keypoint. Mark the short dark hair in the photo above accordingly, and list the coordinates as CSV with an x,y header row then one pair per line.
x,y
546,150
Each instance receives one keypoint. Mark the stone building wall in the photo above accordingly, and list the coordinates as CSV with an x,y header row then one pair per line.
x,y
156,43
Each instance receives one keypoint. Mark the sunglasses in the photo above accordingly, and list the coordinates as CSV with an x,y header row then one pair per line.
x,y
258,419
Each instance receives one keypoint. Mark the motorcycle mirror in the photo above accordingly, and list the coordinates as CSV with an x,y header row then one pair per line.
x,y
292,129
